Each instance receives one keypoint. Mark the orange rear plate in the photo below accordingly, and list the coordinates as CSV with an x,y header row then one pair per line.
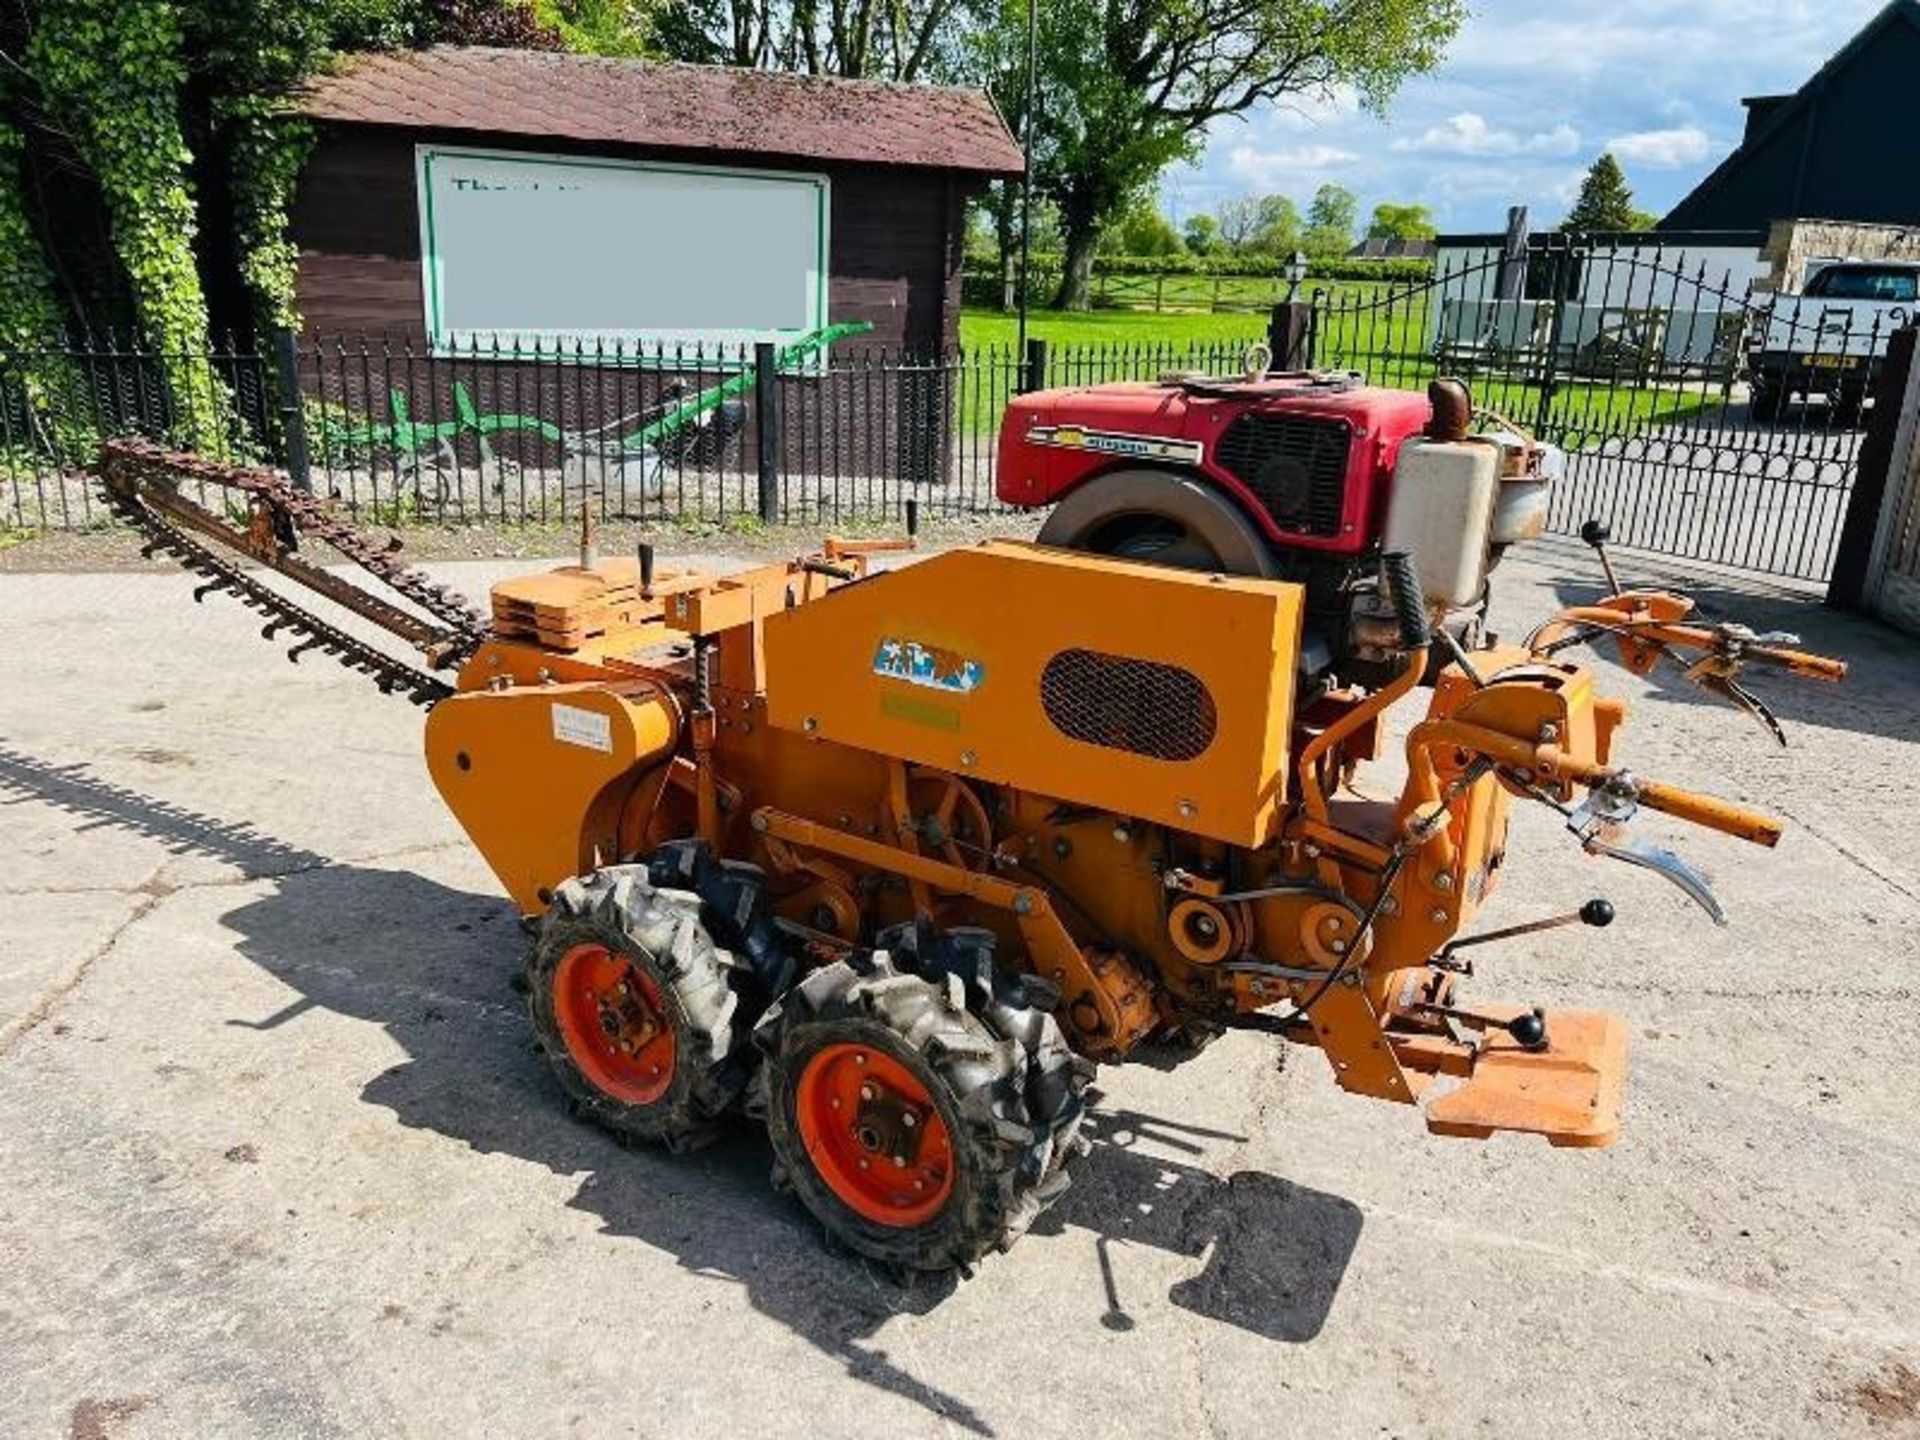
x,y
1570,1092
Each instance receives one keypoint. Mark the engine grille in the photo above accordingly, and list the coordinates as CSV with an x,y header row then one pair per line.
x,y
1296,466
1122,703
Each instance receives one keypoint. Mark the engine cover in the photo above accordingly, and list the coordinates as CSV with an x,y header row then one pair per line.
x,y
1310,458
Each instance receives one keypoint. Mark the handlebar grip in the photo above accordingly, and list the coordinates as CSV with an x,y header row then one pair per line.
x,y
1409,605
1799,662
1714,814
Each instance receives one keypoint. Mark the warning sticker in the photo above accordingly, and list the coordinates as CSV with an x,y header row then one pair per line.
x,y
587,728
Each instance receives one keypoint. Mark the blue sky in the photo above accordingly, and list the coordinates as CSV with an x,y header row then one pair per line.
x,y
1528,94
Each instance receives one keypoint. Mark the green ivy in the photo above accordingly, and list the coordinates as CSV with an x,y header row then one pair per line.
x,y
49,384
114,75
266,146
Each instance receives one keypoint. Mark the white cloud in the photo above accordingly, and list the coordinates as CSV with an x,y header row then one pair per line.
x,y
1523,99
1470,134
1662,149
1274,169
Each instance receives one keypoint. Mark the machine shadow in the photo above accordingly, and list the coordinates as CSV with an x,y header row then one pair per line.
x,y
434,966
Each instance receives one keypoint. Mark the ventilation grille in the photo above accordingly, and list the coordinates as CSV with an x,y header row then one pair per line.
x,y
1140,706
1296,466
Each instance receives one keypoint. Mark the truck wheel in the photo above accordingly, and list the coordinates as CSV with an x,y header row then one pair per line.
x,y
630,1000
1162,517
1764,403
917,1136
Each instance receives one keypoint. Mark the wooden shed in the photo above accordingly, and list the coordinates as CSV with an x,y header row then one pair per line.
x,y
456,194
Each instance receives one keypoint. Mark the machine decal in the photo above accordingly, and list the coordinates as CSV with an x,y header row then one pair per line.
x,y
588,729
933,666
898,705
1113,442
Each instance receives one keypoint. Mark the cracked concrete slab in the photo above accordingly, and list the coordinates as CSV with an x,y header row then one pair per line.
x,y
279,1157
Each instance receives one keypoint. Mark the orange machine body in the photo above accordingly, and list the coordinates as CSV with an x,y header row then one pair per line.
x,y
1098,760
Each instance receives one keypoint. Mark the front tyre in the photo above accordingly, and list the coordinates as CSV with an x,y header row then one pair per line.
x,y
630,999
912,1131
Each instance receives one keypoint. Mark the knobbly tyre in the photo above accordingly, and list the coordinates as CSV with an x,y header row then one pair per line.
x,y
891,860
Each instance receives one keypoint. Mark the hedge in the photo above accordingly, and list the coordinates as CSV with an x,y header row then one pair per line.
x,y
1334,267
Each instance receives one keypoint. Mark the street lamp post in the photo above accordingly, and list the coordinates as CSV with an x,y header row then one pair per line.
x,y
1296,271
1290,327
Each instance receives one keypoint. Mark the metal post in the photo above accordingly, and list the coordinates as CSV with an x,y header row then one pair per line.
x,y
293,412
767,429
766,432
1884,461
1512,283
1560,274
1026,166
1035,374
1290,336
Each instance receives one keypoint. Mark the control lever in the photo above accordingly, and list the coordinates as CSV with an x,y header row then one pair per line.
x,y
1596,912
1596,534
1597,822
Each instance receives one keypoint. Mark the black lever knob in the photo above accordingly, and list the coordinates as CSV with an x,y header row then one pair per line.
x,y
1596,533
1530,1030
1597,913
646,571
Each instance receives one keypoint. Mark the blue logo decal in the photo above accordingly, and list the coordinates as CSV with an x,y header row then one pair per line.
x,y
931,666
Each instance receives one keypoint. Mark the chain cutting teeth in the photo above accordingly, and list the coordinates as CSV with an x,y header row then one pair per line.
x,y
281,613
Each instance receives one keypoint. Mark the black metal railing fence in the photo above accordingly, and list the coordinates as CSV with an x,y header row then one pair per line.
x,y
1701,418
482,434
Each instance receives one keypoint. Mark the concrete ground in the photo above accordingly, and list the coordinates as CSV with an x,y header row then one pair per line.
x,y
277,1156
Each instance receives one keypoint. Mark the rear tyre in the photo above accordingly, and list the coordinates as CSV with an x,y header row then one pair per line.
x,y
1159,517
630,1000
916,1134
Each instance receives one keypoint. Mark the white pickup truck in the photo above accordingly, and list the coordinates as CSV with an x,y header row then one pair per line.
x,y
1831,338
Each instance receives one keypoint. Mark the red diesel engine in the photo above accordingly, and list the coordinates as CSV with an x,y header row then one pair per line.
x,y
1300,476
1305,461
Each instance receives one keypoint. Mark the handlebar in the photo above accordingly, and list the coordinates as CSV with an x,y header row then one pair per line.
x,y
1711,812
1799,662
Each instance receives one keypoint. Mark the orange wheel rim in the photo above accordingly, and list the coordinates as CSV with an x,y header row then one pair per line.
x,y
614,1024
874,1134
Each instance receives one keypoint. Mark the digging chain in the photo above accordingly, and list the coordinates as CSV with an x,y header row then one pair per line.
x,y
131,467
142,460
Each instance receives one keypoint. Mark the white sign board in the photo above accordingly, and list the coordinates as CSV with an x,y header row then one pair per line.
x,y
548,251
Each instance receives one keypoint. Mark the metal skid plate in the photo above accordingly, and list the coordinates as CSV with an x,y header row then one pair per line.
x,y
1569,1092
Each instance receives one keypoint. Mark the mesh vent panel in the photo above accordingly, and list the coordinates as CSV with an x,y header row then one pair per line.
x,y
1140,706
1296,466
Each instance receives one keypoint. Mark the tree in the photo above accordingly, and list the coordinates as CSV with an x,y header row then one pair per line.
x,y
145,150
1277,228
1237,220
1604,202
1330,221
1263,224
1143,230
1129,88
1401,222
599,27
871,39
1202,234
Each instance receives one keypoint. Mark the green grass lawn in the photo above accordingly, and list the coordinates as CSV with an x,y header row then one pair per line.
x,y
990,329
1388,345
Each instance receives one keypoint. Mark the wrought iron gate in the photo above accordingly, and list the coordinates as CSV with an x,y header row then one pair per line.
x,y
1701,419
